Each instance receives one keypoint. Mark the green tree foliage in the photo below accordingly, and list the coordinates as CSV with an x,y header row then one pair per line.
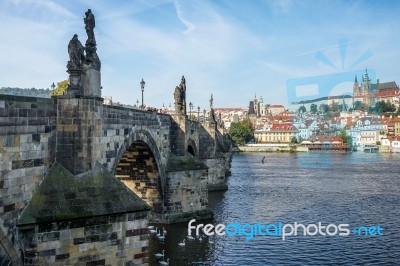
x,y
302,109
346,138
334,107
313,108
61,88
358,105
384,107
324,108
241,132
294,140
346,107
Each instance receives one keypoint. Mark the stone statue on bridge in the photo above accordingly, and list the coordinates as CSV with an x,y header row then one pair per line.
x,y
92,60
76,53
89,24
180,97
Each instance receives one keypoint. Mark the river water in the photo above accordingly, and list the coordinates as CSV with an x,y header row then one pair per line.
x,y
359,189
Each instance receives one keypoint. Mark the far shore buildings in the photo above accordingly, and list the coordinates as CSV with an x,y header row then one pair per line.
x,y
366,92
257,107
229,115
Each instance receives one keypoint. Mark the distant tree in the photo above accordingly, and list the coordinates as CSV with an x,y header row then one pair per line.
x,y
387,107
334,107
345,107
61,88
345,137
313,108
358,105
241,132
294,140
324,108
302,109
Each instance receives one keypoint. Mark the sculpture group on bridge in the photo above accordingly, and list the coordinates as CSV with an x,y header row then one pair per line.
x,y
82,58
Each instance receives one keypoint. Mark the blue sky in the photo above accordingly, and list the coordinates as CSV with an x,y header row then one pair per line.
x,y
233,49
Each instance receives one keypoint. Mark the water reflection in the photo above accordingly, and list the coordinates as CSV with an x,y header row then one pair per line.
x,y
355,188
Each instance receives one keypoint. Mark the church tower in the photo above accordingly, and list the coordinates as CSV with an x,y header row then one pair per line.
x,y
356,87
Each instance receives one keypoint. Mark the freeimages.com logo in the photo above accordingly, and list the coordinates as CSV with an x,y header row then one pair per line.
x,y
282,230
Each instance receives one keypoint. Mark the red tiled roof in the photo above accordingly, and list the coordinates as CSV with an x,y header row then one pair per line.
x,y
308,122
323,138
389,93
280,127
392,138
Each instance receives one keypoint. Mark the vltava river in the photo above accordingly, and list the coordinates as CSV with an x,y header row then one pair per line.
x,y
359,189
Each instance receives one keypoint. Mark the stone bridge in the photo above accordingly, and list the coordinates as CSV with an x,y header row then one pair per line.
x,y
167,160
62,160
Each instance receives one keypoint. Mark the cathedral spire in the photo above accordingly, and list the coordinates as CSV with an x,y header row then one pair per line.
x,y
355,79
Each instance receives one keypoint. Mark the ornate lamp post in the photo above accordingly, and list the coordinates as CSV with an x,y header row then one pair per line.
x,y
190,109
142,83
53,86
198,113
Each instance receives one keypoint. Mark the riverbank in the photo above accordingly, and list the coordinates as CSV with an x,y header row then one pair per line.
x,y
270,147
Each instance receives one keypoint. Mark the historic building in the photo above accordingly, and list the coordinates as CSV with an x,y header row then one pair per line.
x,y
276,133
369,93
258,107
229,115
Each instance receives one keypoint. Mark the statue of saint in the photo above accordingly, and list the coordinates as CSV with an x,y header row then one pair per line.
x,y
183,83
180,97
211,101
89,24
76,53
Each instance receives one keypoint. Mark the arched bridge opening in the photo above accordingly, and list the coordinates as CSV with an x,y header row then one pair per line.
x,y
138,170
190,150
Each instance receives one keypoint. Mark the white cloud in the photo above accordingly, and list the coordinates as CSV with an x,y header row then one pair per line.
x,y
189,26
217,49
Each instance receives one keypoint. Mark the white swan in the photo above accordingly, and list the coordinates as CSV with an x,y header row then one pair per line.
x,y
161,237
160,255
182,244
153,230
164,262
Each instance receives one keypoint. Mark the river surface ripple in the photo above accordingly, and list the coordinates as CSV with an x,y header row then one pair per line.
x,y
356,189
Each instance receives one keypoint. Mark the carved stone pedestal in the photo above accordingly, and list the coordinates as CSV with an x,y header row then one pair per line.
x,y
75,81
92,83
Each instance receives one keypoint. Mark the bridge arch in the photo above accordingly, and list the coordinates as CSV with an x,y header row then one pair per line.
x,y
138,166
191,148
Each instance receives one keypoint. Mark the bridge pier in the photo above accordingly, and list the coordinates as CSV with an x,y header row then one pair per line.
x,y
79,129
